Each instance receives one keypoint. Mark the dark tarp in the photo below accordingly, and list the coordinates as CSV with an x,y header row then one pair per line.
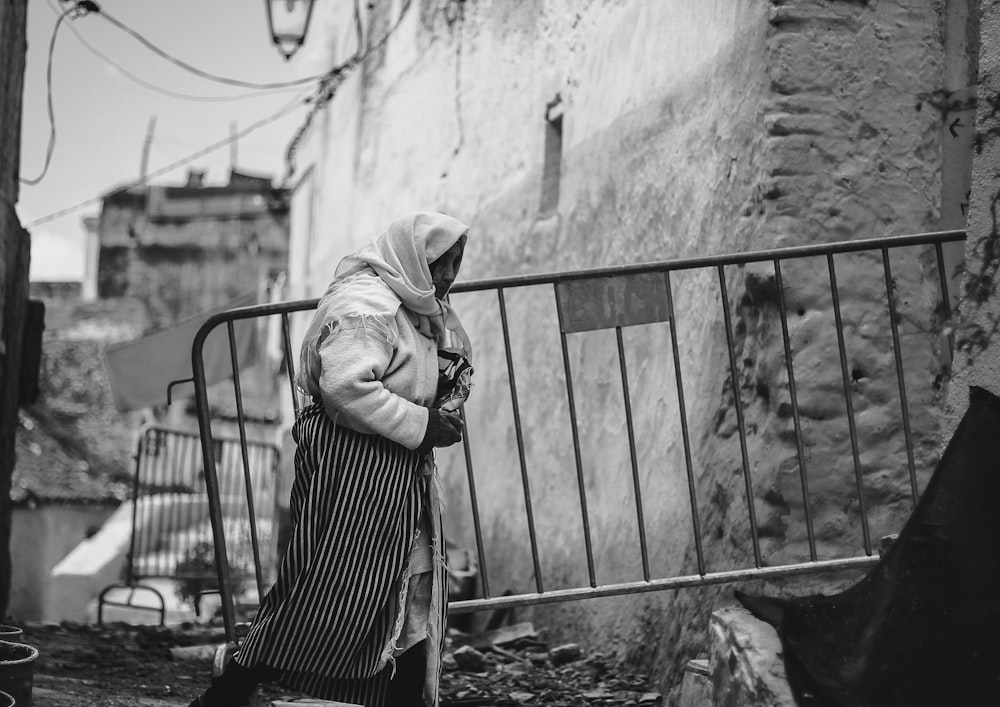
x,y
140,371
923,627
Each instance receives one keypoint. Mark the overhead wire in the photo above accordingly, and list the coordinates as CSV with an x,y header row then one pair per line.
x,y
50,109
278,115
94,8
336,76
154,87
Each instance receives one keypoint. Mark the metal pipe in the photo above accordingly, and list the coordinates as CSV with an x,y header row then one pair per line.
x,y
519,436
794,400
900,375
286,346
576,445
130,573
656,585
816,249
740,423
682,409
211,478
945,297
848,400
633,457
244,456
474,499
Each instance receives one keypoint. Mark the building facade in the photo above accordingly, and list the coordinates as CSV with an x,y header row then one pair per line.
x,y
613,133
185,250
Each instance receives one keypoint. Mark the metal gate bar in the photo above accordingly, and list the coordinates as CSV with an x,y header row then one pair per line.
x,y
704,576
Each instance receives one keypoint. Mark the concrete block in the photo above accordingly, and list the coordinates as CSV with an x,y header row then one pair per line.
x,y
746,663
696,685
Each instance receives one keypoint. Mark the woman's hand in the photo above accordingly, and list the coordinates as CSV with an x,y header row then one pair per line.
x,y
444,428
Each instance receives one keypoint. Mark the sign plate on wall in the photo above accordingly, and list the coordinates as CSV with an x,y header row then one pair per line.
x,y
605,302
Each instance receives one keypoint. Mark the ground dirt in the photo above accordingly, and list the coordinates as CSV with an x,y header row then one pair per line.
x,y
122,665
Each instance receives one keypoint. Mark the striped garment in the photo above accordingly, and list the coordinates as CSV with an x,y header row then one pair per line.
x,y
330,621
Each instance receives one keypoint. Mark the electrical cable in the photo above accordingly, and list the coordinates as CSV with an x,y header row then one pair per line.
x,y
331,82
51,146
89,6
160,89
286,110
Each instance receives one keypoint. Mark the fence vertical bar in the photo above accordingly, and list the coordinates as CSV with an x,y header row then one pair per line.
x,y
682,409
130,569
740,423
576,440
848,400
945,296
211,477
244,455
890,293
474,500
633,457
286,347
191,455
519,436
794,400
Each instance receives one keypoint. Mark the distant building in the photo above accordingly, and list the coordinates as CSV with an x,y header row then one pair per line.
x,y
183,250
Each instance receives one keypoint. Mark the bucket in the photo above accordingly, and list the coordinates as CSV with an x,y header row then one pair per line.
x,y
12,634
6,700
17,671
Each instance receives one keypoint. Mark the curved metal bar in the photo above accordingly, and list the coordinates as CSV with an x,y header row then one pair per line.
x,y
211,475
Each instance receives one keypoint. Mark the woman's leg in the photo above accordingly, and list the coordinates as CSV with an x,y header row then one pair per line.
x,y
234,687
407,687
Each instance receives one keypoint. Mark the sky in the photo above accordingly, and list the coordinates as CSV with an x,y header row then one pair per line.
x,y
102,116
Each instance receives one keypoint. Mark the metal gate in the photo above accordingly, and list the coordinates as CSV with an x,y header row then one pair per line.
x,y
170,528
613,299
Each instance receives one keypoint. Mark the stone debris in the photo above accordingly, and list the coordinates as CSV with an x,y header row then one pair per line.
x,y
567,653
469,659
528,672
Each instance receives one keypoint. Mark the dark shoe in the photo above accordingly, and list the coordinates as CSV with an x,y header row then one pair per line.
x,y
196,702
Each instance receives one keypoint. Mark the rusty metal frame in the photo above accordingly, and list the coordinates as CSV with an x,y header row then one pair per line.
x,y
153,469
501,285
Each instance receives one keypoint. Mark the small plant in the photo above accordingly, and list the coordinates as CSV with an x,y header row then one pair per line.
x,y
195,574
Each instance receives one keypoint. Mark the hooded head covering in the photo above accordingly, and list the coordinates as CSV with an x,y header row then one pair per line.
x,y
401,256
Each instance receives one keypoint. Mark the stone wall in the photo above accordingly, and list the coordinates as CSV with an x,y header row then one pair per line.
x,y
687,129
14,255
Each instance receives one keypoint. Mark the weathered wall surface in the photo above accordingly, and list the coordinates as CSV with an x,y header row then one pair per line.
x,y
687,129
978,363
14,255
41,538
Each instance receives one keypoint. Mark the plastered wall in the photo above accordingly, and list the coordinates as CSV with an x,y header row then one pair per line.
x,y
687,129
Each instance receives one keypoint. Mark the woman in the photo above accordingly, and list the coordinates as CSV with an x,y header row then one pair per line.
x,y
358,609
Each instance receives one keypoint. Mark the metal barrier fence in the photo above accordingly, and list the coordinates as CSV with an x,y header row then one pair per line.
x,y
614,298
170,530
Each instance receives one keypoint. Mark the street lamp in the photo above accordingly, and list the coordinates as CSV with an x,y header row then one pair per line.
x,y
288,21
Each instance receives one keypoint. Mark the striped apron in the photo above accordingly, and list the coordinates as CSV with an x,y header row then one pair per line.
x,y
330,621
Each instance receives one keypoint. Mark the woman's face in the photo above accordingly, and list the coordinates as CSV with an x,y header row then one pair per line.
x,y
444,270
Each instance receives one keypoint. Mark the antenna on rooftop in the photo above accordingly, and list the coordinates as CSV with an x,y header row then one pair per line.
x,y
146,145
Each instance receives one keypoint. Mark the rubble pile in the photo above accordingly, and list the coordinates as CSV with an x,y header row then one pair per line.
x,y
514,666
